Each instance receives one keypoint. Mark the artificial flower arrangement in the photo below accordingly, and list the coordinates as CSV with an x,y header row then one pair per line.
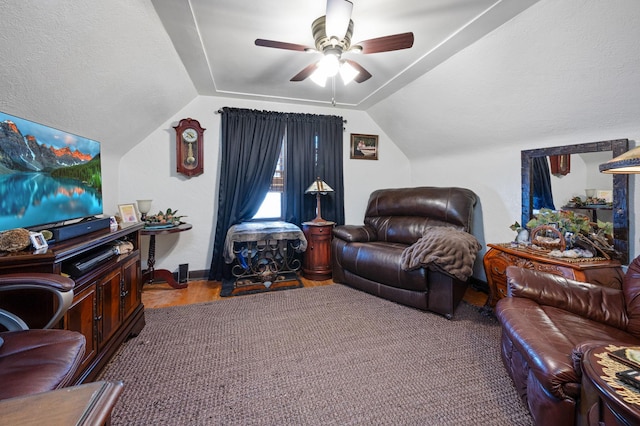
x,y
168,217
577,201
569,234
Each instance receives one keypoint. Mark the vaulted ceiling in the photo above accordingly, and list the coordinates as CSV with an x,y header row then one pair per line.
x,y
215,41
115,70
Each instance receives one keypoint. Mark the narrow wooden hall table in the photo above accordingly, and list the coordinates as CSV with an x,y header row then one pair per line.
x,y
151,274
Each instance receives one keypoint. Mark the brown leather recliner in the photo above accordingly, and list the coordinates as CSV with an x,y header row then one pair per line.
x,y
37,360
368,257
548,322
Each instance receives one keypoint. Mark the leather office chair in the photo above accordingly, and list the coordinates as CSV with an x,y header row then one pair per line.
x,y
37,360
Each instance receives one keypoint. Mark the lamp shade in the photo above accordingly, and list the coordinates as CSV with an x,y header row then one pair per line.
x,y
329,66
318,186
144,206
627,163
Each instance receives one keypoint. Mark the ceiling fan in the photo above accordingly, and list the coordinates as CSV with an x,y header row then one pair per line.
x,y
332,34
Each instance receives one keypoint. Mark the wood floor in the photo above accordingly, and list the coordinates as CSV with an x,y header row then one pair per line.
x,y
161,295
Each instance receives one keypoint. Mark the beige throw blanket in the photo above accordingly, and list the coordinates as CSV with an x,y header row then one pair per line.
x,y
445,249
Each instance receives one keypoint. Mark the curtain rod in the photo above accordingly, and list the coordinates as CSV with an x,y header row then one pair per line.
x,y
220,112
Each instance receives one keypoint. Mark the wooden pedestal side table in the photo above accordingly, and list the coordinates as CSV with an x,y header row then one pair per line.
x,y
84,405
603,272
151,274
316,263
605,400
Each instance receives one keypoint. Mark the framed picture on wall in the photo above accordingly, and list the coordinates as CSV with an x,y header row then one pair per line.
x,y
364,147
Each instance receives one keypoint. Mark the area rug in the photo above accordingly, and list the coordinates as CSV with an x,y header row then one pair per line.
x,y
286,281
327,355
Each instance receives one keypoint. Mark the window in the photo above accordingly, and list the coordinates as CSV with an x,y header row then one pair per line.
x,y
273,203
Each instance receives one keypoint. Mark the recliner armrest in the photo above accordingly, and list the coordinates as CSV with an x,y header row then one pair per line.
x,y
61,287
597,303
53,281
355,233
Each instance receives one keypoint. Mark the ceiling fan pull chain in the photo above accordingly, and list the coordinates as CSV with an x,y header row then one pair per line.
x,y
333,88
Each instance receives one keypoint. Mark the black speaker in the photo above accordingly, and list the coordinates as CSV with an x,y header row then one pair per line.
x,y
183,272
77,229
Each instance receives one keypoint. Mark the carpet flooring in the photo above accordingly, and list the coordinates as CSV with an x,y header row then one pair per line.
x,y
327,355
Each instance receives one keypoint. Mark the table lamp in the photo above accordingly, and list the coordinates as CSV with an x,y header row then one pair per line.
x,y
627,163
144,206
318,187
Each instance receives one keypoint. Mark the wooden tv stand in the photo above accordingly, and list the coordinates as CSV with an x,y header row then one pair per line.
x,y
107,305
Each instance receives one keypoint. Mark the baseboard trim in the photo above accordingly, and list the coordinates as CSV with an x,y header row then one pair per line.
x,y
479,285
202,274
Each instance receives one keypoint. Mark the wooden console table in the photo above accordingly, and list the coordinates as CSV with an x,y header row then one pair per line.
x,y
607,273
107,297
85,405
150,274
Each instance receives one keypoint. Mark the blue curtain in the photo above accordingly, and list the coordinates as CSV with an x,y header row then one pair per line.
x,y
542,195
250,146
314,149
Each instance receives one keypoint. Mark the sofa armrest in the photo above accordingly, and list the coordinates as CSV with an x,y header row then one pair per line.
x,y
601,304
355,233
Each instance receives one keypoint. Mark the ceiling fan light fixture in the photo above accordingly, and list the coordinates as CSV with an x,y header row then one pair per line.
x,y
338,16
319,77
348,73
329,64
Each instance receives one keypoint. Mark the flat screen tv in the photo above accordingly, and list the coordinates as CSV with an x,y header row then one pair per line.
x,y
48,177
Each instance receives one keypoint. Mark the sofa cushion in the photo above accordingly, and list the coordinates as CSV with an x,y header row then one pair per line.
x,y
582,299
545,337
402,229
380,262
447,205
34,361
631,288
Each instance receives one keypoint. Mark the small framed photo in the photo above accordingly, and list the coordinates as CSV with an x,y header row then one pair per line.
x,y
128,213
364,147
38,241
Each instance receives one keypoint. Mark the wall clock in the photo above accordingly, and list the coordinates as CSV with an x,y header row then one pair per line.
x,y
189,138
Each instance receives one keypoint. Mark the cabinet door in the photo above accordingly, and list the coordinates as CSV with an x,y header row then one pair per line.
x,y
82,317
109,306
131,291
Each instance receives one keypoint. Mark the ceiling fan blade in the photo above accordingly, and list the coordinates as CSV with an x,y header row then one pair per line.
x,y
282,45
337,18
363,74
306,72
387,43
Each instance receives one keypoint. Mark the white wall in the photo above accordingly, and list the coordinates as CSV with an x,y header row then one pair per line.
x,y
147,171
560,73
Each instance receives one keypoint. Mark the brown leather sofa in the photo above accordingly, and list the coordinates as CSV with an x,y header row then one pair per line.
x,y
369,256
548,322
37,360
